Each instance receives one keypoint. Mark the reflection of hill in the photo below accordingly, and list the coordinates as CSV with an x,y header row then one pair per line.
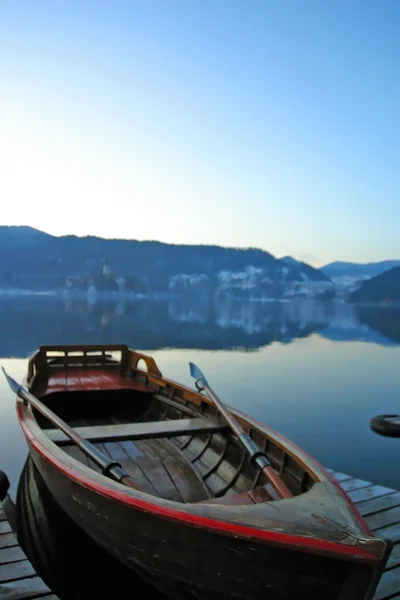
x,y
385,320
345,325
178,323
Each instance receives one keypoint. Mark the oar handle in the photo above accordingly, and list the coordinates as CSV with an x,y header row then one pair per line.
x,y
258,457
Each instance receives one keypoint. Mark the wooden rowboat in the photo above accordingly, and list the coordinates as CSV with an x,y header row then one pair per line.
x,y
203,501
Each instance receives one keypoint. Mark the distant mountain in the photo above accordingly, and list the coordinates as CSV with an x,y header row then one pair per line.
x,y
304,267
383,287
34,260
291,261
358,270
22,235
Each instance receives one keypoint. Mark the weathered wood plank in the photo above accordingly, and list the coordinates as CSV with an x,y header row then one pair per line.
x,y
367,493
341,476
190,487
392,532
5,527
384,518
354,484
380,506
389,585
16,570
138,475
375,505
139,431
18,578
11,554
394,558
161,480
8,539
33,587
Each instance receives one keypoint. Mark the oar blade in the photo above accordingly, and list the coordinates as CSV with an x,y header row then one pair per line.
x,y
195,372
11,382
201,381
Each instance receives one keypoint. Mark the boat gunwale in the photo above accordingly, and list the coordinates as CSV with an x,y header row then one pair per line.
x,y
157,382
169,509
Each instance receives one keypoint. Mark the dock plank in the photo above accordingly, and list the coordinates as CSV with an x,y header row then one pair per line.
x,y
392,532
380,507
16,570
32,587
18,578
389,586
5,527
368,493
388,516
376,505
12,554
350,485
394,558
342,477
8,539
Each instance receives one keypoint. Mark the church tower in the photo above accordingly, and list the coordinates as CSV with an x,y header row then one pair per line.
x,y
106,269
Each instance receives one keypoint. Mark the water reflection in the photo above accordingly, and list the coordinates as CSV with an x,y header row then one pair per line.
x,y
186,322
290,365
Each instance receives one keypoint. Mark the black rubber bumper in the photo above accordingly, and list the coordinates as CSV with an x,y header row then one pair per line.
x,y
387,425
4,485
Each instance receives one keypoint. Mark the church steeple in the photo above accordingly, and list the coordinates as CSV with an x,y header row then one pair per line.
x,y
106,269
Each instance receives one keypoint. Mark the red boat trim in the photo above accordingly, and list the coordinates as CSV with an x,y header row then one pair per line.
x,y
353,509
293,541
358,517
98,379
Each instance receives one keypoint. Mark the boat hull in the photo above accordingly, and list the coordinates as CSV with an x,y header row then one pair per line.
x,y
186,561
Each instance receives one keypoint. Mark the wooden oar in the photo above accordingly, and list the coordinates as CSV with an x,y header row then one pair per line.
x,y
258,457
109,467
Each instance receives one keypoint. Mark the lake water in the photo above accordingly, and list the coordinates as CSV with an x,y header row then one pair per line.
x,y
315,372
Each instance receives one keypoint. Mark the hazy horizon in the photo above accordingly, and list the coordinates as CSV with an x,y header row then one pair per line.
x,y
262,124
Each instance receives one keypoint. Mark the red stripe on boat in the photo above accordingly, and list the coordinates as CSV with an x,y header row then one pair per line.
x,y
293,541
358,517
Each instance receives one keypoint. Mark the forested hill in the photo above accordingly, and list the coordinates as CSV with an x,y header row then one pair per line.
x,y
37,260
382,288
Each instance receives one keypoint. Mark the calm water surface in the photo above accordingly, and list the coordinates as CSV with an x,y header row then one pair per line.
x,y
315,372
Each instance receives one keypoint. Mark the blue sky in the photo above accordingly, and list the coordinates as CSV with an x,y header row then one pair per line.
x,y
242,123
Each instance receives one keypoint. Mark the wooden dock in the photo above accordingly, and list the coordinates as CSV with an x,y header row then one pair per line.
x,y
379,505
18,579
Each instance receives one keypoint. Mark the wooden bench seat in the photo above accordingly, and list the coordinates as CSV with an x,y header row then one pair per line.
x,y
139,431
